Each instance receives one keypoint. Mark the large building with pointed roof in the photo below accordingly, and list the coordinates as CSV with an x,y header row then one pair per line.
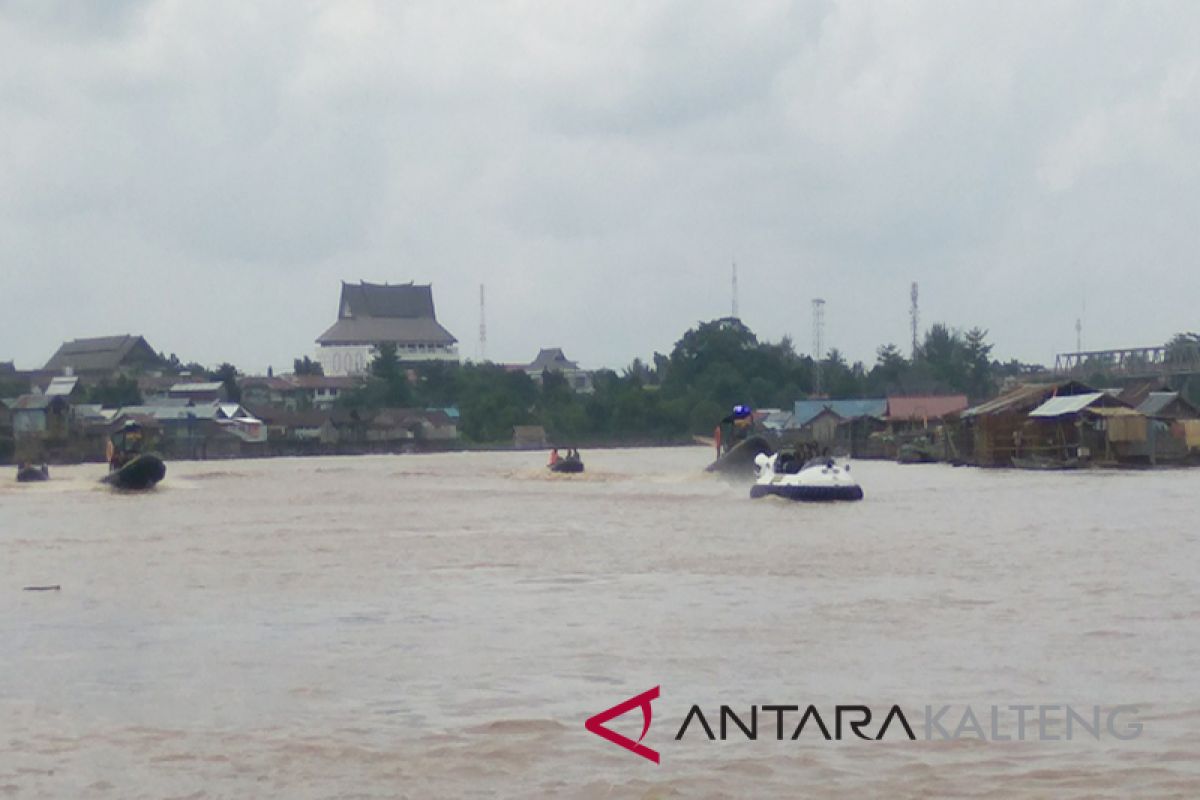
x,y
372,314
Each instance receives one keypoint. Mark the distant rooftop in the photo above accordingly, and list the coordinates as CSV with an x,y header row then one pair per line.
x,y
918,407
553,359
372,313
102,354
393,301
61,387
807,410
195,388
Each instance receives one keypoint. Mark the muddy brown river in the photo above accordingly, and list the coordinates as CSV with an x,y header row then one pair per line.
x,y
443,625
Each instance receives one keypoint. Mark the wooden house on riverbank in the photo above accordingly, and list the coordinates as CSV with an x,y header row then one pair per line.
x,y
989,434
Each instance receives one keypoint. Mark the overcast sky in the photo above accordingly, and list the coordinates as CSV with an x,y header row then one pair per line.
x,y
205,173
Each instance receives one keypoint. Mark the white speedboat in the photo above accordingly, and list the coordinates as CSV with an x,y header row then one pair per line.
x,y
818,479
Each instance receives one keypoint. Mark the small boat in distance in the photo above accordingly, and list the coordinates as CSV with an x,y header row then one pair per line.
x,y
571,462
1039,462
816,480
28,473
141,473
128,467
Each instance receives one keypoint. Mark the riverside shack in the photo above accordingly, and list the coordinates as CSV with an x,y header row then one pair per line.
x,y
989,434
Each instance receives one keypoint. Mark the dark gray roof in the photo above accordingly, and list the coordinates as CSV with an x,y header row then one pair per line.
x,y
405,301
1158,403
373,313
387,329
1155,402
551,358
102,354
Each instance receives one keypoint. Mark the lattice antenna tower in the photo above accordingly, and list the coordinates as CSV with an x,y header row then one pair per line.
x,y
1079,325
482,325
914,313
733,306
818,321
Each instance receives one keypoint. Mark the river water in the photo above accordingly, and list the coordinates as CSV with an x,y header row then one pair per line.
x,y
442,625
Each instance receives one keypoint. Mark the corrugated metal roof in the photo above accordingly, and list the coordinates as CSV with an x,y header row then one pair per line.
x,y
171,412
1115,411
1155,402
1018,396
28,402
61,387
778,420
925,407
208,386
1070,404
808,410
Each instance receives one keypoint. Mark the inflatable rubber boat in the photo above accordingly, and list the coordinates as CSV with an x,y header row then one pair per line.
x,y
140,473
816,480
739,459
567,464
30,473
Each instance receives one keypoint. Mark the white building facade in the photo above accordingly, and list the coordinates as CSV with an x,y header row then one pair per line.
x,y
370,315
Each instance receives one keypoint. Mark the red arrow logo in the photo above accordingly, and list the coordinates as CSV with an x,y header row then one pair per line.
x,y
596,724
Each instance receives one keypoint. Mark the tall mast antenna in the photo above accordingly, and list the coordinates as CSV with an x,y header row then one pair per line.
x,y
914,314
482,325
734,293
818,321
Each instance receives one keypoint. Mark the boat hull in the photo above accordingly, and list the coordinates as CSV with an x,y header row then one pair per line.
x,y
1045,463
567,465
740,458
141,473
810,494
32,474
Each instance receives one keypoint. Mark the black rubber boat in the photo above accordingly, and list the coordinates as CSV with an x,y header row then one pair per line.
x,y
567,465
739,459
29,474
141,473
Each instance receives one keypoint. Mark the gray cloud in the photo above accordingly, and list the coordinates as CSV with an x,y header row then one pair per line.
x,y
205,174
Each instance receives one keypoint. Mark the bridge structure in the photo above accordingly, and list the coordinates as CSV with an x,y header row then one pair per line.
x,y
1131,362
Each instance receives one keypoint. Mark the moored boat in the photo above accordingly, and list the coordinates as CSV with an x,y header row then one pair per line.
x,y
816,480
1045,463
916,453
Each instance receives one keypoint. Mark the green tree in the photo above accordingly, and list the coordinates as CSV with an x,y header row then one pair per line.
x,y
943,353
977,353
306,366
227,374
386,363
121,391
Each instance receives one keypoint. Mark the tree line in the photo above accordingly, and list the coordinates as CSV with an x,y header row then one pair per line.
x,y
712,367
667,397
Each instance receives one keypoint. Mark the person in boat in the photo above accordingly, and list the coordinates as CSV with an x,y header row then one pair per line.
x,y
554,456
741,425
124,445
